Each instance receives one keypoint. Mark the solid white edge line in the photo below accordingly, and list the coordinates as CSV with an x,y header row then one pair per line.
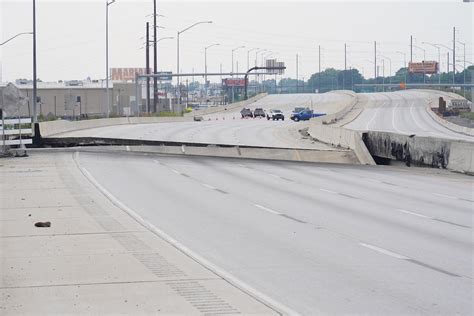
x,y
267,209
414,214
328,191
385,251
244,287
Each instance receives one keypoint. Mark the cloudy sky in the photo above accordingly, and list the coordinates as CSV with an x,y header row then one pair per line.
x,y
71,34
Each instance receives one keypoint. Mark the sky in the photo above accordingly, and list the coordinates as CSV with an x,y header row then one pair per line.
x,y
71,34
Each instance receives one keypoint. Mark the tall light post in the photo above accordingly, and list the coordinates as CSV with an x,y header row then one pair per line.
x,y
404,63
449,49
439,59
177,55
205,63
107,4
464,67
262,50
233,50
35,114
389,68
248,56
424,59
319,68
155,56
155,93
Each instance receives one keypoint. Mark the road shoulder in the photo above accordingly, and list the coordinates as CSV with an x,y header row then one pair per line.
x,y
94,258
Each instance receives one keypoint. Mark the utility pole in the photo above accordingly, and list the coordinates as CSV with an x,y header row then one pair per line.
x,y
147,55
296,73
454,55
411,48
383,75
319,73
375,64
35,114
447,69
155,58
345,67
464,67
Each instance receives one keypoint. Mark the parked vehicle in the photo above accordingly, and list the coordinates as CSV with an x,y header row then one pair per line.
x,y
259,112
245,112
305,115
299,109
275,115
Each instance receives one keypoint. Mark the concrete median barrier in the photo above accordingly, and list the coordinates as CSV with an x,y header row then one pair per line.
x,y
52,128
325,129
343,156
341,137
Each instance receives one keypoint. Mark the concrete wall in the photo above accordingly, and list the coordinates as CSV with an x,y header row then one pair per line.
x,y
324,129
61,126
335,117
423,151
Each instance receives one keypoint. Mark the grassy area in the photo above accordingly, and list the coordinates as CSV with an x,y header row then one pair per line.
x,y
468,115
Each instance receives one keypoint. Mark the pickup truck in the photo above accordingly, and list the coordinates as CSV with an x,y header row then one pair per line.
x,y
304,115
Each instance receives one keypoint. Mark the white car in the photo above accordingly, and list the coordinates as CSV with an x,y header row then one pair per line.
x,y
275,115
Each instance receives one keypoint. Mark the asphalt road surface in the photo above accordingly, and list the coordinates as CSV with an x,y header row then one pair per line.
x,y
228,127
402,112
329,239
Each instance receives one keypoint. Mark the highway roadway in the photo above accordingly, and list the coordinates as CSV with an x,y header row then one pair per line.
x,y
228,127
403,112
320,239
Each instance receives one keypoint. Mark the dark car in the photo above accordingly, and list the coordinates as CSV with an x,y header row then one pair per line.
x,y
246,113
259,112
275,115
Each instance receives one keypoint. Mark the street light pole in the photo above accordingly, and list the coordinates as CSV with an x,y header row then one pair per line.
x,y
232,71
177,56
107,3
464,67
233,50
155,59
424,59
248,57
147,55
205,64
389,69
439,60
345,67
404,63
319,72
35,114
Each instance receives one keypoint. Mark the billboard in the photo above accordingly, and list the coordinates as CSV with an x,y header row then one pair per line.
x,y
425,67
233,82
125,74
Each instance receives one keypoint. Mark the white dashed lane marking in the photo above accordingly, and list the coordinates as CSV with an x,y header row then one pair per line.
x,y
328,191
414,214
266,209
